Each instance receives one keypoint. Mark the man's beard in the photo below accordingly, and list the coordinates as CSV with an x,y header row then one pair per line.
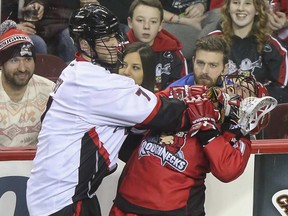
x,y
205,80
17,82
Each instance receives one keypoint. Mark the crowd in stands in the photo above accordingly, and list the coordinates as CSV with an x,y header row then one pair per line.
x,y
145,19
185,20
253,50
162,36
171,28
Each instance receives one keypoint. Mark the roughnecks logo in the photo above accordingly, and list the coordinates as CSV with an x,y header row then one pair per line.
x,y
174,160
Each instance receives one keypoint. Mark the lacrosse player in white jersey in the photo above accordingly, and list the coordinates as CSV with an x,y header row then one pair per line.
x,y
87,118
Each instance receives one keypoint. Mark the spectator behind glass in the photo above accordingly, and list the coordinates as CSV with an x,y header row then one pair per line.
x,y
166,173
23,96
145,22
9,10
53,27
278,19
253,50
189,20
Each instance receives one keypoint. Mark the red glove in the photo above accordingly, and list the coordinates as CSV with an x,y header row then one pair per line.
x,y
202,114
180,92
195,90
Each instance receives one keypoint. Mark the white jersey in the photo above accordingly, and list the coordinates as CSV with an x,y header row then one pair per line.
x,y
82,133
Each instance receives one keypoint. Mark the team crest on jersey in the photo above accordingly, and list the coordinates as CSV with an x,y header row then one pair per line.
x,y
163,69
246,67
179,4
167,148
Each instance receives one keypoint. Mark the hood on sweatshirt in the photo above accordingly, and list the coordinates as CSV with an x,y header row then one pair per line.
x,y
164,41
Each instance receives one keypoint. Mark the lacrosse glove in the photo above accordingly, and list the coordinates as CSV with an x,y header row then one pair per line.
x,y
180,92
203,118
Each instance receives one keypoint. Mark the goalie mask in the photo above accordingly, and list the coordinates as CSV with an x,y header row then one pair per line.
x,y
97,25
244,86
255,106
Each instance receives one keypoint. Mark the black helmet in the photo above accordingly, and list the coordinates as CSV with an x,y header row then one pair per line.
x,y
93,22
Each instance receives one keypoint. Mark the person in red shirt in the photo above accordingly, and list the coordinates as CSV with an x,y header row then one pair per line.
x,y
145,23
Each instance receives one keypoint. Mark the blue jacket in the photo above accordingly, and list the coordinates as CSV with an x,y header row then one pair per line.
x,y
186,80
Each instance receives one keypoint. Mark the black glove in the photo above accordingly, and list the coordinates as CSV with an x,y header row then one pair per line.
x,y
232,127
204,137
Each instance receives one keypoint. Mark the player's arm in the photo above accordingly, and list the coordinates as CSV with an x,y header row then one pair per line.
x,y
228,156
174,110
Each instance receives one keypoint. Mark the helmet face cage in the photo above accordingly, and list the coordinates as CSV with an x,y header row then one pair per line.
x,y
92,23
109,51
244,86
247,87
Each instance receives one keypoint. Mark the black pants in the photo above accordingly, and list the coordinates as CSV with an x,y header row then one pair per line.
x,y
87,207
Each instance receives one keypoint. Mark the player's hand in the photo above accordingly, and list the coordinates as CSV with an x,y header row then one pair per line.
x,y
196,90
230,125
181,92
202,114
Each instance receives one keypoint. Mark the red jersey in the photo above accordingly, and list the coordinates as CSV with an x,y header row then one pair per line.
x,y
166,173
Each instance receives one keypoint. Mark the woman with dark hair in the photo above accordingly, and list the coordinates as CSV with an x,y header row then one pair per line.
x,y
139,64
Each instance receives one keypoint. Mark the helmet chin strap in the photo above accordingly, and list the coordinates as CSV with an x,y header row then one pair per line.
x,y
113,68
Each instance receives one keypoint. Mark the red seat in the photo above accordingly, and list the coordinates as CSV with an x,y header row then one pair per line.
x,y
278,124
49,66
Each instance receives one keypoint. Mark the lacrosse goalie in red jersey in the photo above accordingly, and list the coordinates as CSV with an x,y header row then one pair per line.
x,y
165,175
